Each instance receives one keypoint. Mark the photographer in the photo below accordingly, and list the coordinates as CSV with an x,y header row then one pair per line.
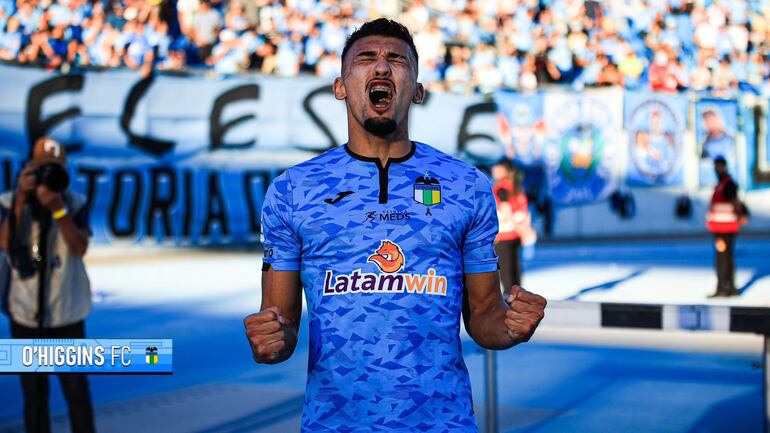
x,y
44,235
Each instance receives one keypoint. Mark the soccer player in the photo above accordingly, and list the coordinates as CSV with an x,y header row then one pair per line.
x,y
393,242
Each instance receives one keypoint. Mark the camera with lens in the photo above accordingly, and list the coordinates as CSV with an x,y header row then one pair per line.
x,y
53,176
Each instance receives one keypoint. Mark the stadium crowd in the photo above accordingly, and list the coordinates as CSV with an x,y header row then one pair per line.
x,y
465,46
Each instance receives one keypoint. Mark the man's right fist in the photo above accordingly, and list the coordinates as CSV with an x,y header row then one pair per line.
x,y
266,334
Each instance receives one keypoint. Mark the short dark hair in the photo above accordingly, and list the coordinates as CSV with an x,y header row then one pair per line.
x,y
381,27
720,160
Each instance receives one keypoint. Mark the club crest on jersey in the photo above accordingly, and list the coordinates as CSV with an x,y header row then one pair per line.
x,y
427,190
389,259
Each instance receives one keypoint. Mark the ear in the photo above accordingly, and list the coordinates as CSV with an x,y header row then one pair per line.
x,y
339,89
419,94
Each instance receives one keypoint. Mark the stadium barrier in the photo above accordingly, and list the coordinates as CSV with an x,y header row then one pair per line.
x,y
703,318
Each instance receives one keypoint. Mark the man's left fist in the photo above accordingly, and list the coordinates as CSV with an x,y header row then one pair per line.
x,y
526,310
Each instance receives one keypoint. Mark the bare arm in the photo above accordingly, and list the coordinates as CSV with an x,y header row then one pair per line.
x,y
272,333
26,185
75,238
491,322
5,225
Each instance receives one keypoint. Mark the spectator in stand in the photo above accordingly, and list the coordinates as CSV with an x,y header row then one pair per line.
x,y
631,66
10,40
287,58
700,79
205,25
329,65
136,51
228,56
666,46
458,74
609,75
313,49
235,19
430,43
29,17
663,73
430,77
723,81
528,79
509,65
7,9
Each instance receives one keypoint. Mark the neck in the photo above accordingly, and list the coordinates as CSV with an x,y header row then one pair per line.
x,y
362,142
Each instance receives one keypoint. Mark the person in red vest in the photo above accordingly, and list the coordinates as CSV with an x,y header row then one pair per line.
x,y
724,219
514,222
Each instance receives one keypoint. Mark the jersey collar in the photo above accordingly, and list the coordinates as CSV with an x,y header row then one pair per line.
x,y
377,160
382,170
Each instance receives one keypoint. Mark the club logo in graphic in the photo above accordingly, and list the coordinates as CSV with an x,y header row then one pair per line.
x,y
581,147
581,152
427,190
151,355
388,257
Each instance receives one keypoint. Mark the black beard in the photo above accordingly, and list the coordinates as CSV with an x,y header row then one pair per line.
x,y
380,127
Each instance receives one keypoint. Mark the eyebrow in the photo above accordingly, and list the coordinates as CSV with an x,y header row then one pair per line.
x,y
390,54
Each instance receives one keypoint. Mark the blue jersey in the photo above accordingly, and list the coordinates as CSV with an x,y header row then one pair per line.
x,y
382,251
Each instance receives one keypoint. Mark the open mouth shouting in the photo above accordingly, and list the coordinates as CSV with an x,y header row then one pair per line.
x,y
381,94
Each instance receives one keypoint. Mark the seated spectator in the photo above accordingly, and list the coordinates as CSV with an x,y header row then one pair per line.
x,y
509,65
228,56
29,17
137,52
631,65
723,81
10,40
7,9
528,78
663,73
235,19
458,74
328,65
430,76
700,79
38,51
313,49
176,58
666,46
609,75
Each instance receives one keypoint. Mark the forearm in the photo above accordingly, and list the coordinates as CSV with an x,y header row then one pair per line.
x,y
282,293
5,231
487,327
5,226
76,239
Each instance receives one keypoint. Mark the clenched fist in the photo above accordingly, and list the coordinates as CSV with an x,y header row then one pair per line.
x,y
266,332
525,311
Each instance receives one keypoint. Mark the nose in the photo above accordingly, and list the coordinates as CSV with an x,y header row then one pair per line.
x,y
382,67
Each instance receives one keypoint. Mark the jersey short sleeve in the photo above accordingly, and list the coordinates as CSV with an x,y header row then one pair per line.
x,y
479,245
281,243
